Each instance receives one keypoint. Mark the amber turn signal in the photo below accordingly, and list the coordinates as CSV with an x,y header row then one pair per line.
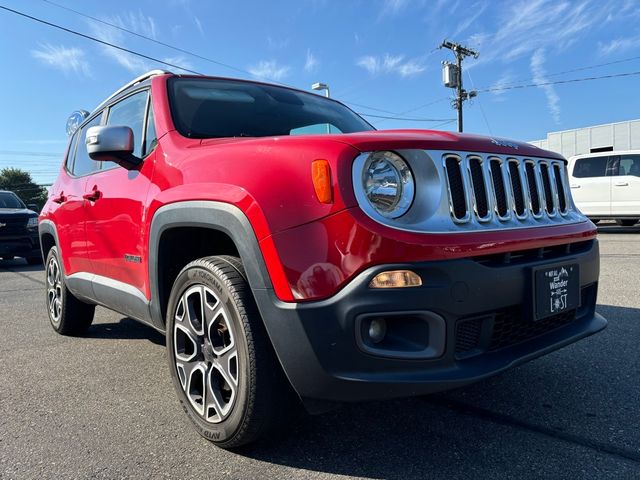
x,y
396,279
321,175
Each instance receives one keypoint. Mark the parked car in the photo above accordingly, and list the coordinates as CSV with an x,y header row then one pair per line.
x,y
289,268
607,185
18,229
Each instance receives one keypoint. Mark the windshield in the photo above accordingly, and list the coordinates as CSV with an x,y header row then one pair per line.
x,y
10,200
210,108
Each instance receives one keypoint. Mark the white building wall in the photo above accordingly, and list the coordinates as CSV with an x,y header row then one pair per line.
x,y
619,136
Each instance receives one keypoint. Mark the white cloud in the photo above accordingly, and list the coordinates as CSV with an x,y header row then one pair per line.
x,y
504,80
180,61
277,43
196,20
478,9
619,45
136,22
311,63
69,60
269,70
411,68
390,64
524,26
539,76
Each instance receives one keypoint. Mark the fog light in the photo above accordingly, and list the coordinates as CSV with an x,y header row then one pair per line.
x,y
377,330
396,279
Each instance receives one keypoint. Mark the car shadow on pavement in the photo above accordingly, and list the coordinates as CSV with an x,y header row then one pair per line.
x,y
125,329
614,228
20,265
408,438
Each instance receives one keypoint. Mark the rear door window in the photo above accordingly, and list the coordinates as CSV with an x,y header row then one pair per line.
x,y
83,164
590,167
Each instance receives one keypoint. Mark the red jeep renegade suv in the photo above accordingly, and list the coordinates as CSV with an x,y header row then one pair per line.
x,y
292,253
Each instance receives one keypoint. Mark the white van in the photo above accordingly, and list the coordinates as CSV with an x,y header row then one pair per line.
x,y
606,185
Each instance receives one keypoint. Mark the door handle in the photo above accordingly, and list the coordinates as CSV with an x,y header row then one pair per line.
x,y
59,199
575,185
621,184
93,196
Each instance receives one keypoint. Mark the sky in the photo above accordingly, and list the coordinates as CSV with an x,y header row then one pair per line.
x,y
381,57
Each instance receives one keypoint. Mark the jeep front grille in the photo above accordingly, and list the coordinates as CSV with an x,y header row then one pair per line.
x,y
489,187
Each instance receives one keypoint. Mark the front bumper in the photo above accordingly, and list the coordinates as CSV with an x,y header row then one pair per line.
x,y
483,304
26,245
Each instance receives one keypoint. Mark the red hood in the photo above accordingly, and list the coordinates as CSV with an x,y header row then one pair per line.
x,y
441,140
406,139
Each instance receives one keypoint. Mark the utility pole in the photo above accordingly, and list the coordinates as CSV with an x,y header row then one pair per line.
x,y
452,75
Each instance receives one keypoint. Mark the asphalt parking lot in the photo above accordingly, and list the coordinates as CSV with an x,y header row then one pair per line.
x,y
104,406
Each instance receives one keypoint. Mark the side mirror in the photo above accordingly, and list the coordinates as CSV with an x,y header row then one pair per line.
x,y
33,206
111,143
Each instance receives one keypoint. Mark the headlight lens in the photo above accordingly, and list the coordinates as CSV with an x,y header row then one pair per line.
x,y
388,184
32,222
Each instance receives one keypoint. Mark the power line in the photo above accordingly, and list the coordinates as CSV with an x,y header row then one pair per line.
x,y
573,70
408,119
89,37
132,52
30,154
151,39
559,82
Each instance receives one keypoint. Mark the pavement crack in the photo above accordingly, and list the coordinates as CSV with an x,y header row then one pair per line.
x,y
506,420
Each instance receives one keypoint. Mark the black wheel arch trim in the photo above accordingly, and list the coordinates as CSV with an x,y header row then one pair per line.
x,y
213,215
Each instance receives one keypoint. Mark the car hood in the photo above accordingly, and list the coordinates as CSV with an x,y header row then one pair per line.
x,y
17,212
405,139
441,140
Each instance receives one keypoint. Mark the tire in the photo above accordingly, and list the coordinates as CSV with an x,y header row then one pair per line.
x,y
67,314
34,260
627,222
223,366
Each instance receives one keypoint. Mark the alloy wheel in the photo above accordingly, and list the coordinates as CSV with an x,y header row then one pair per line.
x,y
206,355
54,290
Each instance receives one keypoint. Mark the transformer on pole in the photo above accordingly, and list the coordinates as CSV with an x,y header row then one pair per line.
x,y
452,76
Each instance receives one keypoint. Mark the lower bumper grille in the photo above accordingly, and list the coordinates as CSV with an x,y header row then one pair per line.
x,y
508,327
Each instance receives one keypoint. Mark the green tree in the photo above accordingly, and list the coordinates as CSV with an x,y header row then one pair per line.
x,y
21,183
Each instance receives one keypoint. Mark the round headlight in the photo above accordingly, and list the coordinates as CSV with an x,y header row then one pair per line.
x,y
388,184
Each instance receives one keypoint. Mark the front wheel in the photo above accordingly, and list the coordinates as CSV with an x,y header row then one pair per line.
x,y
223,366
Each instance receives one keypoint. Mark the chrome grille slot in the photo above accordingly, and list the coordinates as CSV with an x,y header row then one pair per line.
x,y
562,196
479,188
497,178
456,188
516,187
546,185
534,192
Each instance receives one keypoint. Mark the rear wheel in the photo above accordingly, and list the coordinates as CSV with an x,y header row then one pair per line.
x,y
223,366
627,222
68,315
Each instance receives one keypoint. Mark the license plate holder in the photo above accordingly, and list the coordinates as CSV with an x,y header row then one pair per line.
x,y
556,289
